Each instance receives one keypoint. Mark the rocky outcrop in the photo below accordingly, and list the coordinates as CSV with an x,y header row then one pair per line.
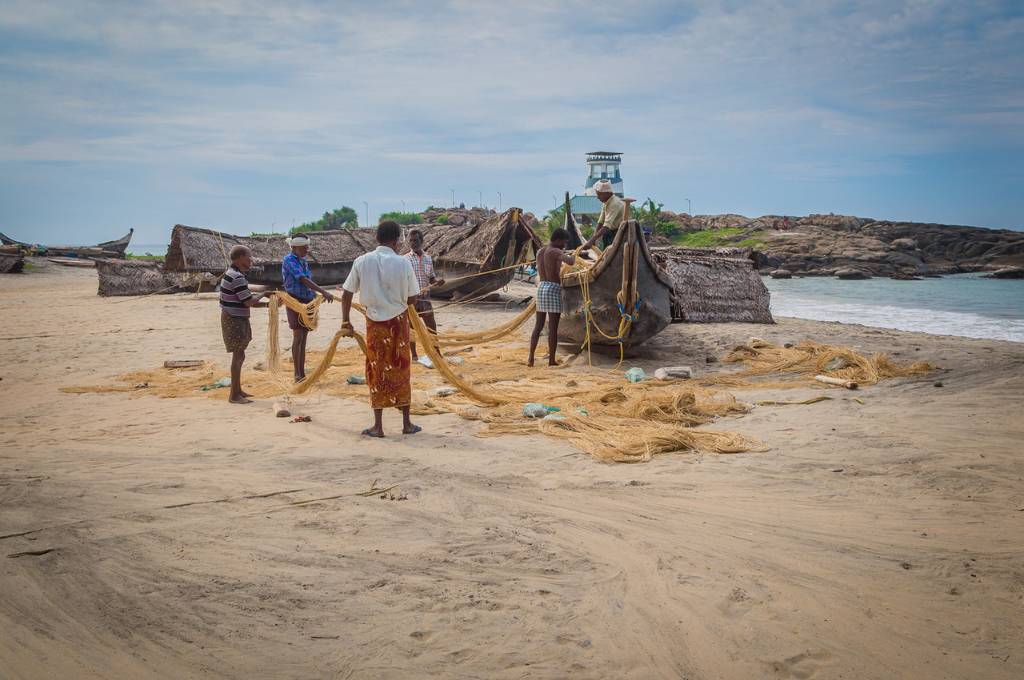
x,y
819,245
1007,273
463,216
852,274
781,274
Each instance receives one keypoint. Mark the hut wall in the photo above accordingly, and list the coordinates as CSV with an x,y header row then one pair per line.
x,y
136,277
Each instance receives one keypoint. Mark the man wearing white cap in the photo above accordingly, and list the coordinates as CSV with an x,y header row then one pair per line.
x,y
611,215
298,282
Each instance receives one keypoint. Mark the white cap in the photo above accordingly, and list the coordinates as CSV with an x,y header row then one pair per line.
x,y
299,240
603,186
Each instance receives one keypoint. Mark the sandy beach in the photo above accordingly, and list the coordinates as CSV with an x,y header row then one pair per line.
x,y
143,537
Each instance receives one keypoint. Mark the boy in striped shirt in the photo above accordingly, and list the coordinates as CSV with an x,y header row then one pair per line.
x,y
235,301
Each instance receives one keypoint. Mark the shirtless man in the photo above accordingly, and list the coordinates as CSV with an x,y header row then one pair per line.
x,y
549,292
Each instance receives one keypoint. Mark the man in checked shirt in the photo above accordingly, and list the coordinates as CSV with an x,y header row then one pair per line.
x,y
423,268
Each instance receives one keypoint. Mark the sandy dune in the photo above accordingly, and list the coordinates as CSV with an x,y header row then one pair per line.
x,y
874,540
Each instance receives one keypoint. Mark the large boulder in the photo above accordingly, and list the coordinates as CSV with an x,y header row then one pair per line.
x,y
1007,273
904,244
851,274
781,274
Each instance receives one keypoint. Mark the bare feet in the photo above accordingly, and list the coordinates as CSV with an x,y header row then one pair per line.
x,y
373,432
299,378
245,394
530,362
240,399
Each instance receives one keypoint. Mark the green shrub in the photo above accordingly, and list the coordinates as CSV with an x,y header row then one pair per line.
x,y
713,238
402,217
441,219
342,218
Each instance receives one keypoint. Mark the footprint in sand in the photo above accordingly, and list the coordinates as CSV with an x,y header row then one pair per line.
x,y
801,666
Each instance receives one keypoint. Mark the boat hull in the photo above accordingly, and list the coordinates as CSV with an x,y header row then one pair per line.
x,y
651,314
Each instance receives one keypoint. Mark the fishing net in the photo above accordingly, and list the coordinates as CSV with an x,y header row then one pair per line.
x,y
592,408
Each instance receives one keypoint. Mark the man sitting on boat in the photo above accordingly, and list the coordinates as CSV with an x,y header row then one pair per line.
x,y
298,282
423,268
549,292
387,286
610,219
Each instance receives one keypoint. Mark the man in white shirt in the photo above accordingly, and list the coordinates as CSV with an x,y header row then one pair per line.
x,y
387,286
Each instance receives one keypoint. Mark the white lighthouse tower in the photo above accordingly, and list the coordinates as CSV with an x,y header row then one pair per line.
x,y
603,165
600,165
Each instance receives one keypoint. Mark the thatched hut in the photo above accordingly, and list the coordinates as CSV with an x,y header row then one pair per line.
x,y
459,251
711,286
205,250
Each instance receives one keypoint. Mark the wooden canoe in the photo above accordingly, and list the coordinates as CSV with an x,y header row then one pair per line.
x,y
462,254
115,248
625,280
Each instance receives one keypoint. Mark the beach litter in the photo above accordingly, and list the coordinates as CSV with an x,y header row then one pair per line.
x,y
302,419
223,382
444,391
673,373
535,410
355,380
635,374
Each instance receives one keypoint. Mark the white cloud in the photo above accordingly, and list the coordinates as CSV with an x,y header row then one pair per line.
x,y
497,87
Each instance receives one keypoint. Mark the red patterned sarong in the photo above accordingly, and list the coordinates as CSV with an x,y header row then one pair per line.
x,y
388,363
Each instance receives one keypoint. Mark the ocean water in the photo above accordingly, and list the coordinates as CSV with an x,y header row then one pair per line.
x,y
963,304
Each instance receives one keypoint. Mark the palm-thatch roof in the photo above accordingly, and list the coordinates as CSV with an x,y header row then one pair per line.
x,y
205,250
495,242
710,287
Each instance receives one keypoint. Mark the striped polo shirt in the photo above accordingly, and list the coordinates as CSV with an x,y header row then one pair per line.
x,y
234,291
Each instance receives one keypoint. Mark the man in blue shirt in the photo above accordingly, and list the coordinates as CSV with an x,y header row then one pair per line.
x,y
298,283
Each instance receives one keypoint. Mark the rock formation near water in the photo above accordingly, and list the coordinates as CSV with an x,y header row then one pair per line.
x,y
822,245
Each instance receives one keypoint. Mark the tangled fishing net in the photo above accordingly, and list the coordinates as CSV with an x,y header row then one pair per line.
x,y
593,409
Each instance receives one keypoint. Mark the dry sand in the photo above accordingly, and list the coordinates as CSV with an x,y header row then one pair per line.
x,y
874,540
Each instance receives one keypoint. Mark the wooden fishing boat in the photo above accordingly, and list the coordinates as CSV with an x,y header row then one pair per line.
x,y
625,298
460,253
478,259
80,262
108,249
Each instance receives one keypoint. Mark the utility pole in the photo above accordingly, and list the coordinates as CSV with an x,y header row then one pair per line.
x,y
403,206
689,207
453,197
499,201
481,195
366,207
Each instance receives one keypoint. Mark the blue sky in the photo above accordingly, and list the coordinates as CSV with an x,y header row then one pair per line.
x,y
243,115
